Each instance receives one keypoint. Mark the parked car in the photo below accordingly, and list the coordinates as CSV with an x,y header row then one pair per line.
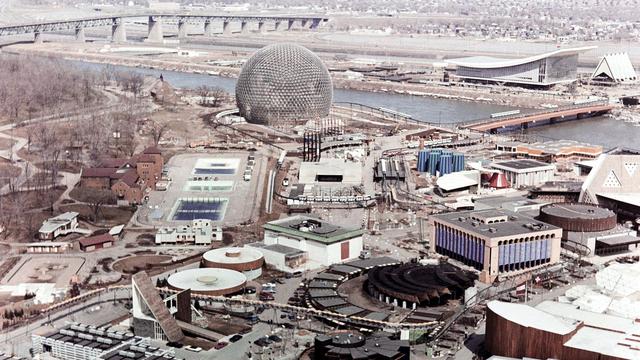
x,y
280,281
250,290
235,338
220,344
265,296
275,338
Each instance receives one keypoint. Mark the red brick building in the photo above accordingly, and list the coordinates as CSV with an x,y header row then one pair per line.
x,y
129,179
96,242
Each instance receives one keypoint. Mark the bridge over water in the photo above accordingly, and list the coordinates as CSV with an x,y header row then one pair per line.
x,y
155,22
580,111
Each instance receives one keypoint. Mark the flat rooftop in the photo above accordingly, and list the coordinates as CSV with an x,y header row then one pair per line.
x,y
578,211
522,165
312,229
507,223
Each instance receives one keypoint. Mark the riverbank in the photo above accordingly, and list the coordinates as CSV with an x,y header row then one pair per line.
x,y
521,98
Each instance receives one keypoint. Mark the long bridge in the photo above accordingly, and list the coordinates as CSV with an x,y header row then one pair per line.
x,y
583,110
155,22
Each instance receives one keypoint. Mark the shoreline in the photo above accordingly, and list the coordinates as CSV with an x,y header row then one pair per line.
x,y
463,92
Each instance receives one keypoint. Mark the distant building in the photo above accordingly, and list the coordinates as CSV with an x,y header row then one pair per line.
x,y
62,224
525,172
351,345
96,242
283,258
557,191
590,230
495,242
81,342
151,315
324,243
544,70
554,330
47,247
613,183
551,151
200,232
129,179
615,68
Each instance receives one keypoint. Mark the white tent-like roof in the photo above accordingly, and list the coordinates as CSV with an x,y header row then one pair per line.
x,y
617,67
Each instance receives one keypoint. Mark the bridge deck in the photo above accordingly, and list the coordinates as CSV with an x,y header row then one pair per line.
x,y
573,110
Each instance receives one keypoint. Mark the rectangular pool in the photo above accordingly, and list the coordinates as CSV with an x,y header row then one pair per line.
x,y
215,166
199,208
209,185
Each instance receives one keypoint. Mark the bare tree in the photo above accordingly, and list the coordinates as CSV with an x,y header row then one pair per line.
x,y
96,199
158,130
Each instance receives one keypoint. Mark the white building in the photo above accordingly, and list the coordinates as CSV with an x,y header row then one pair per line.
x,y
87,342
616,68
200,232
62,224
525,172
283,258
324,243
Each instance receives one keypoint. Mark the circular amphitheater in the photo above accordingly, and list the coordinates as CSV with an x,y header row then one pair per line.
x,y
208,281
578,217
410,285
246,260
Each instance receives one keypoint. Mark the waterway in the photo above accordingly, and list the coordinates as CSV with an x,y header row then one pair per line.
x,y
602,130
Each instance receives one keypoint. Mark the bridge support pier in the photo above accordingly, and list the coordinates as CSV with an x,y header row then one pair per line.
x,y
226,28
244,27
208,31
155,33
80,34
37,37
118,32
182,30
524,126
290,25
315,23
305,23
278,26
261,28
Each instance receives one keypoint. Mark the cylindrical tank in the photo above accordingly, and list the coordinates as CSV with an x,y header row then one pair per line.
x,y
458,162
434,159
445,165
579,217
423,160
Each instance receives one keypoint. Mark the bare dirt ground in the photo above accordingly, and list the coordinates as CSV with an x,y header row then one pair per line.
x,y
46,269
110,216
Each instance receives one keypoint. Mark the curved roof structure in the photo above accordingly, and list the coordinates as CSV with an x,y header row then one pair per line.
x,y
208,281
233,255
488,62
527,316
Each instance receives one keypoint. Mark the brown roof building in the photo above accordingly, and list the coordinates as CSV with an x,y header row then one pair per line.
x,y
129,179
92,243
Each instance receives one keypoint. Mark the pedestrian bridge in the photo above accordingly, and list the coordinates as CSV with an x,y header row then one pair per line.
x,y
155,21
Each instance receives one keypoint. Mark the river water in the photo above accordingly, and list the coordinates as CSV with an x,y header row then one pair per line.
x,y
604,131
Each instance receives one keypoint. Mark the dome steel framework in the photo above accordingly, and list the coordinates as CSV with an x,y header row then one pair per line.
x,y
284,84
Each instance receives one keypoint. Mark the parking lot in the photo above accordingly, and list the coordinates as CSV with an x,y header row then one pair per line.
x,y
216,179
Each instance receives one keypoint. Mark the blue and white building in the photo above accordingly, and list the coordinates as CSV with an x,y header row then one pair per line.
x,y
495,242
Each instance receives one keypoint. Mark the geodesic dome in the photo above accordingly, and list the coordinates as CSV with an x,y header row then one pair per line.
x,y
284,83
